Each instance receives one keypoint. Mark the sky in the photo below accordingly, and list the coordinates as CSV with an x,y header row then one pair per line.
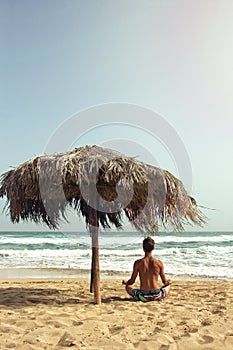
x,y
150,78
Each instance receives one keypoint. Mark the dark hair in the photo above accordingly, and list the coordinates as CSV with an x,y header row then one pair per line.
x,y
148,244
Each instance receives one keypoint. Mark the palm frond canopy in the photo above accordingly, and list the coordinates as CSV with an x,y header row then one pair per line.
x,y
115,185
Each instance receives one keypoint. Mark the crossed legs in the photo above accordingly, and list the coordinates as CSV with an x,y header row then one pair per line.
x,y
129,290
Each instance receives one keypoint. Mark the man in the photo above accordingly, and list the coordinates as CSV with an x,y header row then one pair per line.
x,y
149,270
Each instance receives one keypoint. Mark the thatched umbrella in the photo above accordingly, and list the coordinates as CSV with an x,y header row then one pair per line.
x,y
105,187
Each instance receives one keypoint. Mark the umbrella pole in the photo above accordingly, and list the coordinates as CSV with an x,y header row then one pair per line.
x,y
94,231
92,275
92,263
93,259
95,268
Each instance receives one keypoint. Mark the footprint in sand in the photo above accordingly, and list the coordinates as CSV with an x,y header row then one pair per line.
x,y
191,329
164,347
12,346
77,323
206,322
115,329
206,339
218,309
163,314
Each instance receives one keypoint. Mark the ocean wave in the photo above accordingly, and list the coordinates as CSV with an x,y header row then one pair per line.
x,y
199,254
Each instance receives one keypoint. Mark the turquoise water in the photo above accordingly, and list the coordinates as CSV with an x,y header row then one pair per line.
x,y
208,254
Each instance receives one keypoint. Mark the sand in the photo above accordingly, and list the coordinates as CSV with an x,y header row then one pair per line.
x,y
60,314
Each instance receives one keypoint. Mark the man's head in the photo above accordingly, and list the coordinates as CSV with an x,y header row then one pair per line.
x,y
148,244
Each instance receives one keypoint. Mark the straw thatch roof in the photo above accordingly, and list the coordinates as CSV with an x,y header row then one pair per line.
x,y
92,176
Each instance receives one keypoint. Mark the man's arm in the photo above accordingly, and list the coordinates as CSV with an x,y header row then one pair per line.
x,y
133,276
165,281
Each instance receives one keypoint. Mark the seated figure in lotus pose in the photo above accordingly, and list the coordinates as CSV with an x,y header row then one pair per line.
x,y
149,269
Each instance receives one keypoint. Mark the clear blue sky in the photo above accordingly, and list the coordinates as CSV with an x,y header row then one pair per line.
x,y
174,57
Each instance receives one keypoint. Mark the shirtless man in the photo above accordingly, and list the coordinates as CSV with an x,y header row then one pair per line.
x,y
149,270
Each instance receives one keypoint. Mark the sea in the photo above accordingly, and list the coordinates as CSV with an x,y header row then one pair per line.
x,y
186,254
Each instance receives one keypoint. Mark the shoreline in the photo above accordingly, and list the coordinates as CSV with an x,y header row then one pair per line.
x,y
58,273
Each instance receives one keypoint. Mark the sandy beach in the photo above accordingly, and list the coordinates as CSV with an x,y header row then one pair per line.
x,y
60,313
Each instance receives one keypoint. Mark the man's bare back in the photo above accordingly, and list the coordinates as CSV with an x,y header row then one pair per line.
x,y
149,270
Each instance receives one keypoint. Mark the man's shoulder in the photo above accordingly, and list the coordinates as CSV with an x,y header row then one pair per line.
x,y
138,261
143,260
157,261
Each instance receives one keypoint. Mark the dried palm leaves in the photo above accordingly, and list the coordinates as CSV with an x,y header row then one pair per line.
x,y
90,177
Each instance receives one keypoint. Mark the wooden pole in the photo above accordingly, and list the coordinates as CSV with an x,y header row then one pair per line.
x,y
92,262
92,275
94,231
95,266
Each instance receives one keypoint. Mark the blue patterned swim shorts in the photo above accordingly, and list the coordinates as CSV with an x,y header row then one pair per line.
x,y
149,295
